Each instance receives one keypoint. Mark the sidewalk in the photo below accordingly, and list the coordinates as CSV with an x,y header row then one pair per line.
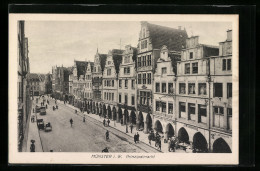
x,y
143,137
33,133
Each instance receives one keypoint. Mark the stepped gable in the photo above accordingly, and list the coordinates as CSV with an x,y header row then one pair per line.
x,y
175,57
102,59
41,77
174,39
117,55
81,67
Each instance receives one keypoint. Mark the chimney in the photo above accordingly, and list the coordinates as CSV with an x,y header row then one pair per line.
x,y
229,35
179,27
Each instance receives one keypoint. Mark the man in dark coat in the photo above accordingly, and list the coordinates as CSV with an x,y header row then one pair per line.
x,y
108,121
107,135
137,137
104,122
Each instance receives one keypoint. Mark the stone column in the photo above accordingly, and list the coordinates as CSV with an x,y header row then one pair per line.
x,y
145,128
196,113
225,118
187,110
137,124
117,116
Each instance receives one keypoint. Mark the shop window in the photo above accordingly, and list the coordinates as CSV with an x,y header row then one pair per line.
x,y
195,68
192,88
182,88
170,88
157,85
202,112
218,117
218,90
229,90
202,89
191,111
182,109
187,68
144,98
163,87
170,108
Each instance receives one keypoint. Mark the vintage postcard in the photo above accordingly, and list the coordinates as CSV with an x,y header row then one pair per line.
x,y
123,89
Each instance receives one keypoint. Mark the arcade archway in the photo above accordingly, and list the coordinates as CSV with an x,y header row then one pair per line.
x,y
114,113
169,131
183,135
220,146
104,111
132,117
200,144
158,127
109,112
140,121
149,122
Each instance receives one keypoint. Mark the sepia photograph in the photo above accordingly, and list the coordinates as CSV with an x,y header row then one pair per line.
x,y
123,89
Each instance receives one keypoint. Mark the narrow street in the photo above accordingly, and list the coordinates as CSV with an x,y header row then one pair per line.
x,y
83,137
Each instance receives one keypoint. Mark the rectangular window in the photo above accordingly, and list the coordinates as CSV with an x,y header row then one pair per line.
x,y
108,71
108,62
170,108
164,70
229,64
144,60
144,98
195,68
144,78
120,83
157,85
113,83
191,112
202,113
218,90
127,70
105,95
229,120
157,106
141,97
164,107
229,90
119,98
126,84
182,109
224,64
148,98
139,62
218,117
139,78
149,60
133,84
191,55
192,88
187,68
170,88
112,96
126,99
182,88
149,78
163,87
133,100
202,89
109,96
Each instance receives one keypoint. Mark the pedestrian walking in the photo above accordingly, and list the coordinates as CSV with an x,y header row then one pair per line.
x,y
71,122
56,106
137,137
105,150
121,121
169,145
131,127
46,106
159,144
32,147
108,121
104,122
107,135
53,108
55,101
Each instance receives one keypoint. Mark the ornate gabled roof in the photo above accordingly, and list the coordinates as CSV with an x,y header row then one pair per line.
x,y
117,58
81,67
174,39
175,57
102,59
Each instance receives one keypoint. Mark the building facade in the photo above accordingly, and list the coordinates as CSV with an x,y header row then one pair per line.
x,y
95,105
34,81
127,86
110,86
23,88
151,38
88,93
164,92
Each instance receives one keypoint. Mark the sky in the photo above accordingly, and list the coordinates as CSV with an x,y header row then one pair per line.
x,y
61,42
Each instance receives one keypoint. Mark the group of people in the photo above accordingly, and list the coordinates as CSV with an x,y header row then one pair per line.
x,y
106,122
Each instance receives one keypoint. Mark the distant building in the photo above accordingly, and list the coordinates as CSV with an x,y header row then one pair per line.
x,y
35,86
88,93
